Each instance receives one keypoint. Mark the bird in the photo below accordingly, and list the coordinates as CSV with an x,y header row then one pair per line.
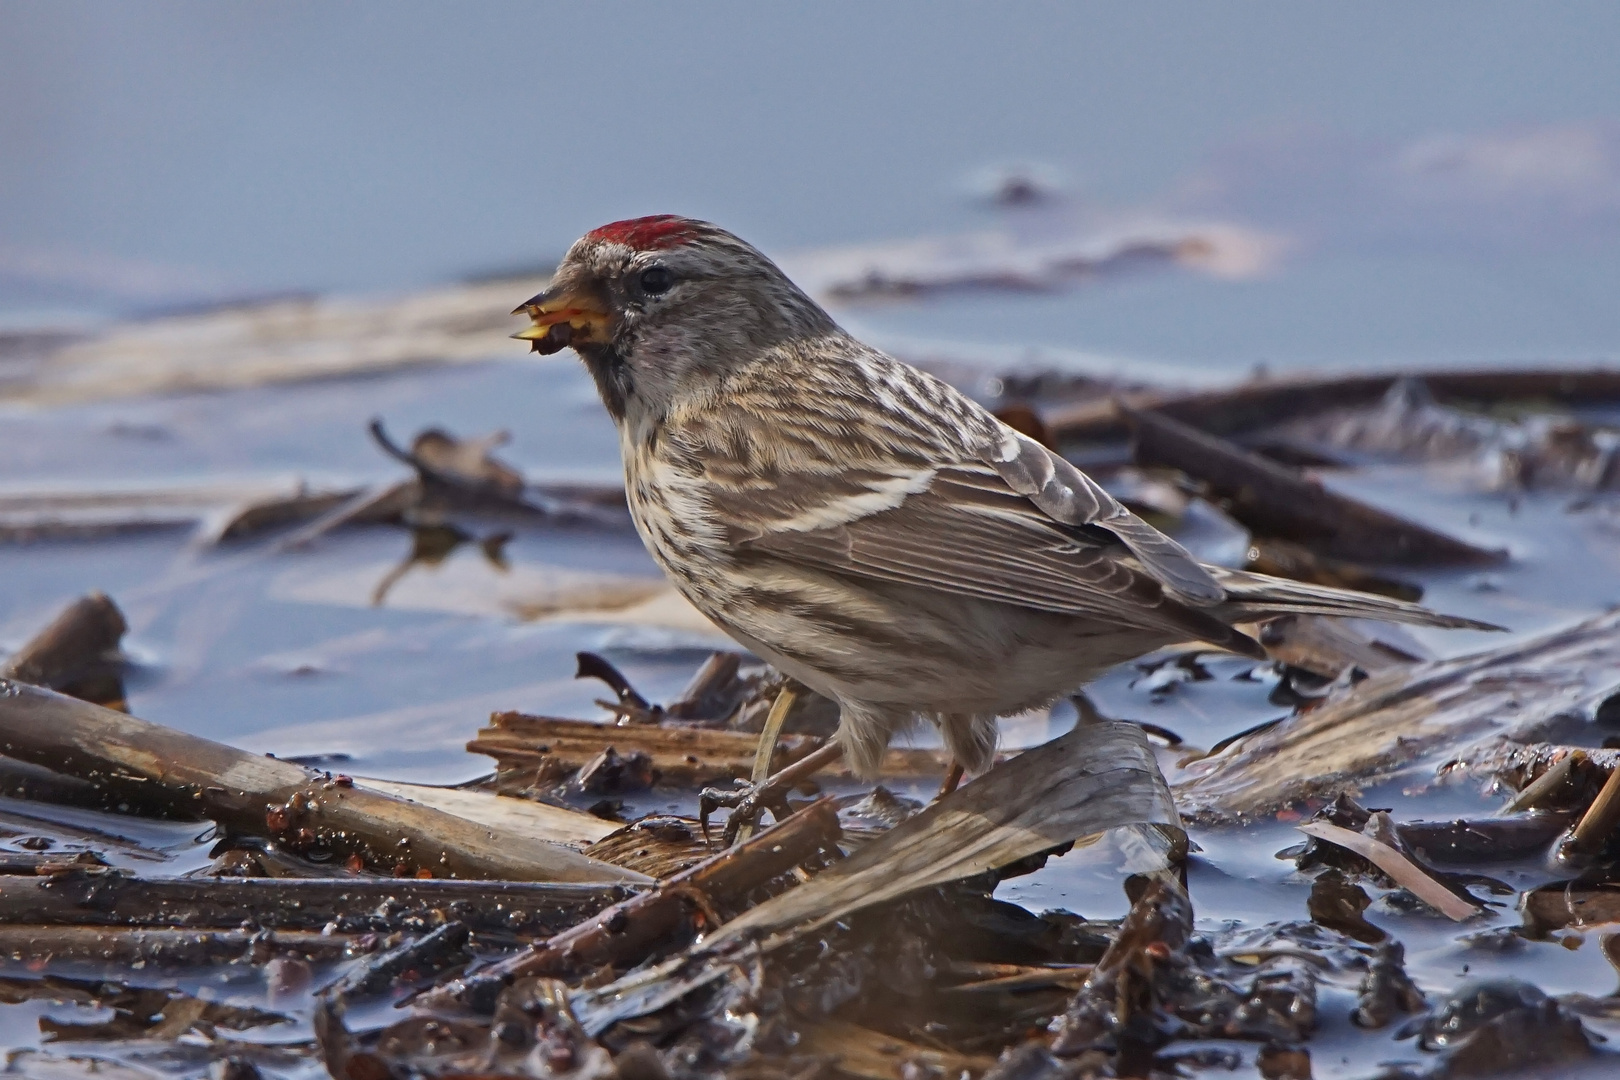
x,y
861,525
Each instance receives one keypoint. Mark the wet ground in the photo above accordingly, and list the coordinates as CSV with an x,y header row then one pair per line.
x,y
300,653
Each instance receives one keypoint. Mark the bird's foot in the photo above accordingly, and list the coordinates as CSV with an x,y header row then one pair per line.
x,y
747,803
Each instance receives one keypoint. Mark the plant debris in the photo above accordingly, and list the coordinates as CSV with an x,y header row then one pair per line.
x,y
1275,501
1393,723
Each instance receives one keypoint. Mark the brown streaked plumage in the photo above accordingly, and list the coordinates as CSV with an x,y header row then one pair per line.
x,y
860,524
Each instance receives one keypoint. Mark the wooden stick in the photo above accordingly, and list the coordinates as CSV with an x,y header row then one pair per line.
x,y
1600,818
713,691
626,933
682,755
1545,784
797,773
262,796
558,824
1234,410
79,644
555,747
377,503
1071,977
166,946
29,863
275,511
350,905
1274,500
443,947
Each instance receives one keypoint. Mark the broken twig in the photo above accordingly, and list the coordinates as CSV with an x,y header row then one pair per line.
x,y
1598,823
532,750
1276,501
1408,874
1265,402
124,946
261,796
625,933
77,654
347,905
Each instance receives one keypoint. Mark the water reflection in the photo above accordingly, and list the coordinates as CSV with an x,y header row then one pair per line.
x,y
432,544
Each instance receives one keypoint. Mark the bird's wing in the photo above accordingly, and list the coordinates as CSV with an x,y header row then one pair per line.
x,y
1070,497
963,529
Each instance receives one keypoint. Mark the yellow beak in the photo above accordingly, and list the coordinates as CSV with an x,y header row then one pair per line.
x,y
561,318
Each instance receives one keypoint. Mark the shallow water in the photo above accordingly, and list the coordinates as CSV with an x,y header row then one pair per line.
x,y
287,653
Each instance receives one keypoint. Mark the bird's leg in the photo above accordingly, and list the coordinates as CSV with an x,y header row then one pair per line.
x,y
764,792
953,776
712,799
775,720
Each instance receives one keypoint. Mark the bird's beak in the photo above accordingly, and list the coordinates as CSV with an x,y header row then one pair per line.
x,y
562,317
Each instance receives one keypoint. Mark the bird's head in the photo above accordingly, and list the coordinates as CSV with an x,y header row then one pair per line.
x,y
662,306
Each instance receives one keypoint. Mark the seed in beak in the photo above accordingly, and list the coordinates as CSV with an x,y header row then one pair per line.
x,y
557,338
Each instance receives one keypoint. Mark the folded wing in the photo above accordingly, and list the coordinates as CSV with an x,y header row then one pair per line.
x,y
1070,497
963,529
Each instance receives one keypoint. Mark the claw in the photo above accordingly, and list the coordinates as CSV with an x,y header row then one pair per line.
x,y
712,799
749,801
747,804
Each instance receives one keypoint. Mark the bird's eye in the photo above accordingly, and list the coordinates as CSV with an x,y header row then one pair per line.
x,y
656,280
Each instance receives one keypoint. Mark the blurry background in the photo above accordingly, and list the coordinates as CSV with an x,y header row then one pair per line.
x,y
1415,183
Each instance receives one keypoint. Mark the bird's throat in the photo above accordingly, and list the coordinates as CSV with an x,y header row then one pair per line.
x,y
612,374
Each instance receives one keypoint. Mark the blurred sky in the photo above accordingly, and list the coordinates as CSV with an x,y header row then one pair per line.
x,y
159,152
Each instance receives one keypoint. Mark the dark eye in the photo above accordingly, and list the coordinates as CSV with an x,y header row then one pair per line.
x,y
656,280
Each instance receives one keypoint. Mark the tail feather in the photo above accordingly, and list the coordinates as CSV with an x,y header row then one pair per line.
x,y
1250,597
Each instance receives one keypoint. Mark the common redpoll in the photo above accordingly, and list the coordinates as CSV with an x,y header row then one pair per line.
x,y
860,524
